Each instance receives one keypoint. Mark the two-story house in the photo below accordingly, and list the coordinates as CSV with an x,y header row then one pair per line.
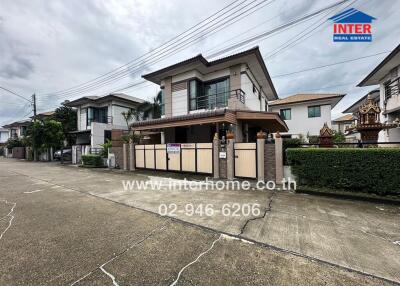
x,y
305,114
387,75
201,98
97,116
17,129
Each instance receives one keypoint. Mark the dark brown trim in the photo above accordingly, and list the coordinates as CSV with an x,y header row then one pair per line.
x,y
271,104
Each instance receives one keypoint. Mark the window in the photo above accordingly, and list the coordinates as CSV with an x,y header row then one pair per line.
x,y
107,135
286,114
194,91
209,95
162,102
314,111
266,105
254,88
96,114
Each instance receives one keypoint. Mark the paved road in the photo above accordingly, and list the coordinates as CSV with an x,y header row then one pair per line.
x,y
70,226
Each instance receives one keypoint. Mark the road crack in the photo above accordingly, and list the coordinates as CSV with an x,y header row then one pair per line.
x,y
136,243
194,261
267,209
10,215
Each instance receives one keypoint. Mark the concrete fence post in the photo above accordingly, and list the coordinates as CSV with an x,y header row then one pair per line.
x,y
279,159
260,159
230,159
216,157
132,156
125,156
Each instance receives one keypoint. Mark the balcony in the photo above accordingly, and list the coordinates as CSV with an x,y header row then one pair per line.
x,y
100,119
217,100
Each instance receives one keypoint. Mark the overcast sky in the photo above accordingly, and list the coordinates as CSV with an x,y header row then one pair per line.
x,y
47,46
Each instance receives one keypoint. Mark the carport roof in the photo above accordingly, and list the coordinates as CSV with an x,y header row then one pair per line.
x,y
269,120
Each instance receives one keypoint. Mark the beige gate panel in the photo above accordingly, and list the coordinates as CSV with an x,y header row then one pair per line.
x,y
245,160
139,156
174,162
204,158
161,156
149,157
188,157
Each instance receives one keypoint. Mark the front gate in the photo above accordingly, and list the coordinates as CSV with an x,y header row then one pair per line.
x,y
245,160
190,157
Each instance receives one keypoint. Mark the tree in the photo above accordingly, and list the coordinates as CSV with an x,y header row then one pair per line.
x,y
46,134
68,119
338,137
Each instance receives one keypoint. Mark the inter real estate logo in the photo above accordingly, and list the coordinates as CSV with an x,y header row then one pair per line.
x,y
352,26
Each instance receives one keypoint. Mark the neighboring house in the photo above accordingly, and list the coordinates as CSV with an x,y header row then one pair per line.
x,y
4,135
201,98
17,129
97,116
354,136
305,114
387,75
343,122
44,115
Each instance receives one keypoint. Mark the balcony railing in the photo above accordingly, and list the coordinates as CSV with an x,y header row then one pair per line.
x,y
219,100
101,119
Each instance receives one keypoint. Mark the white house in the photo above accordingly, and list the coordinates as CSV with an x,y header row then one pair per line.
x,y
387,76
305,114
17,129
201,98
97,116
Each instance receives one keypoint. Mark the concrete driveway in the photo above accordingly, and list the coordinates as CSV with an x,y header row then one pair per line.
x,y
67,225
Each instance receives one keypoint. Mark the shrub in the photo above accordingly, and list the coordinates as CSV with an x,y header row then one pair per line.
x,y
92,160
371,170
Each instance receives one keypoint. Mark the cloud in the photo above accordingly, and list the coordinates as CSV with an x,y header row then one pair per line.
x,y
53,45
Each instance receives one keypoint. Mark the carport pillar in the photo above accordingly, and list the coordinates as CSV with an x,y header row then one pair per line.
x,y
125,156
132,156
260,159
230,159
216,158
278,158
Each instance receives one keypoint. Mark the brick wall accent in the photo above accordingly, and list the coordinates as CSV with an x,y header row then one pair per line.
x,y
269,162
116,135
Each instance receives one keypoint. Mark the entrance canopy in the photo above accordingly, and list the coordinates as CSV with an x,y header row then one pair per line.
x,y
270,121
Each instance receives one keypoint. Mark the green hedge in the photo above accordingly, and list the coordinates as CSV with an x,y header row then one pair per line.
x,y
92,160
371,170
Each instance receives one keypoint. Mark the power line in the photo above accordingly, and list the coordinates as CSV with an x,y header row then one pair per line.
x,y
14,93
264,34
161,46
171,50
291,23
329,65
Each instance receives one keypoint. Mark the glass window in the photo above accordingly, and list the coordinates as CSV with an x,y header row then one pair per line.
x,y
96,114
286,114
216,94
314,111
193,94
162,103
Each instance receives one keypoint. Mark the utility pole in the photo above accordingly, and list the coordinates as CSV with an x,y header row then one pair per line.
x,y
33,129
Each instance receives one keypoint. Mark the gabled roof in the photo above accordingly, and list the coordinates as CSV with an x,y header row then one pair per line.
x,y
352,16
344,118
252,57
390,62
99,99
24,122
354,107
334,98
